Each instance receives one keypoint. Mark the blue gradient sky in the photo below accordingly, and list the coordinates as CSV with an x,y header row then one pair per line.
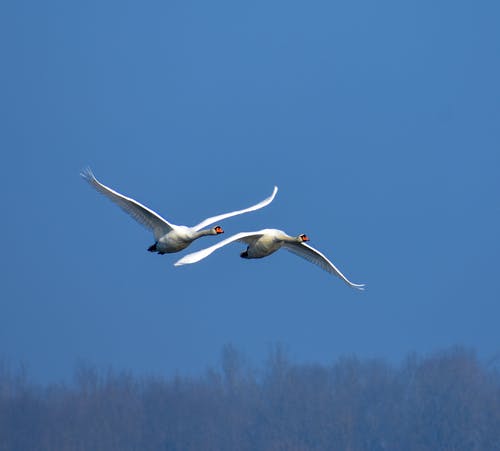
x,y
379,122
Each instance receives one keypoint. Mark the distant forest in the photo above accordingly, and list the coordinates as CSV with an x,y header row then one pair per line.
x,y
446,401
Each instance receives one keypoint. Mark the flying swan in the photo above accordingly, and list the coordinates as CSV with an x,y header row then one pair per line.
x,y
264,242
169,237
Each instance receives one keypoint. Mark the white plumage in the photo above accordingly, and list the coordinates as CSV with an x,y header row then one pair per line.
x,y
169,237
264,242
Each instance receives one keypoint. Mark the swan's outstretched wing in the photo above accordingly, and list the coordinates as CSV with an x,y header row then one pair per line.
x,y
213,219
314,256
194,257
139,212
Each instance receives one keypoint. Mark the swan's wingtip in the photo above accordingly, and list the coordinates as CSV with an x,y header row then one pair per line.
x,y
273,194
87,173
186,260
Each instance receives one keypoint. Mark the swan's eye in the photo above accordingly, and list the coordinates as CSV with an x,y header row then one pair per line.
x,y
218,229
304,237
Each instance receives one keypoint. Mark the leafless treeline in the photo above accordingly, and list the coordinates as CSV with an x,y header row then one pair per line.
x,y
446,401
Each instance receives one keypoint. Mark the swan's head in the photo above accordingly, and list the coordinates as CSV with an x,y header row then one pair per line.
x,y
303,237
218,230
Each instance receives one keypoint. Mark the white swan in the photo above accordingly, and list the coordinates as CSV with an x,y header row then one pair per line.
x,y
169,237
264,242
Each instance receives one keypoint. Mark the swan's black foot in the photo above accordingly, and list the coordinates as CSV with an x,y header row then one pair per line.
x,y
244,254
152,248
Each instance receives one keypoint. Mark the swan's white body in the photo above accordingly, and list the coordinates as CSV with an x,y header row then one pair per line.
x,y
267,241
169,237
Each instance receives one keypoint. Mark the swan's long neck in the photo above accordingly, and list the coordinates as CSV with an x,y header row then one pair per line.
x,y
292,239
203,232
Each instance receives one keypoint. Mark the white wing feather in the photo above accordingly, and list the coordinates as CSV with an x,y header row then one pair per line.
x,y
314,256
203,253
139,212
213,219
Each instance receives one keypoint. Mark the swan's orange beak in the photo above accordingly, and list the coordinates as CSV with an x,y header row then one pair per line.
x,y
304,237
219,230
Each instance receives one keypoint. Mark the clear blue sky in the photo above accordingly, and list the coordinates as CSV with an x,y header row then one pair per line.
x,y
379,122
